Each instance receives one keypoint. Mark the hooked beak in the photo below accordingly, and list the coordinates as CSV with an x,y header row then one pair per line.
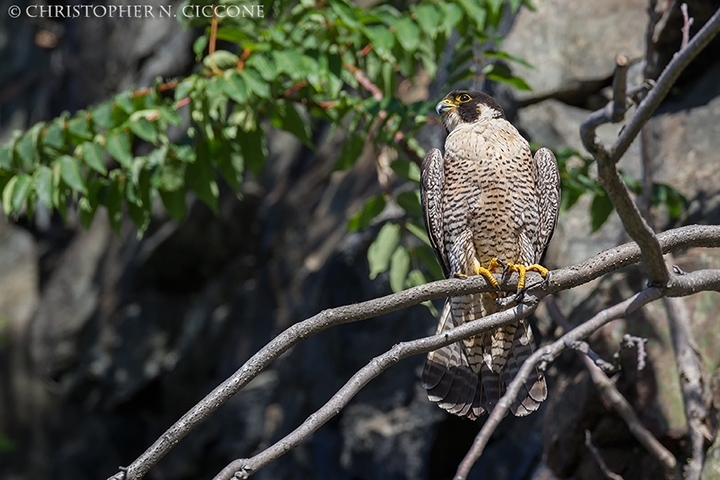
x,y
443,106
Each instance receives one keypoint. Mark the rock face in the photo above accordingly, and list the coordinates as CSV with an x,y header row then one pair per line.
x,y
572,45
106,341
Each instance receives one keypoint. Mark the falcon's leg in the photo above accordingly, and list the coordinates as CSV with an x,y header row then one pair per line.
x,y
522,272
487,272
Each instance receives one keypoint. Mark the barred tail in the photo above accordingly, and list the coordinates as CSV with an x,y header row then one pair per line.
x,y
467,378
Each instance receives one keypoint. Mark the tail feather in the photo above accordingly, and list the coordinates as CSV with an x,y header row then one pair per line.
x,y
470,388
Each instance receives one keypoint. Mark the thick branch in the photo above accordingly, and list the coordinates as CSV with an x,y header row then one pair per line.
x,y
686,285
634,223
562,279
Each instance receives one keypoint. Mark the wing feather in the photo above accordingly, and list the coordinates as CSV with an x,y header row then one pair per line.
x,y
432,181
547,183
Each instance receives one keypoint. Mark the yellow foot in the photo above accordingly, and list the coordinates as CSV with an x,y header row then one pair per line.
x,y
487,272
522,271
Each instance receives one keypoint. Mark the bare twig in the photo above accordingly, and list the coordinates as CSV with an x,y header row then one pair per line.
x,y
620,404
613,112
692,380
562,279
598,458
664,84
630,341
616,399
687,23
683,286
583,348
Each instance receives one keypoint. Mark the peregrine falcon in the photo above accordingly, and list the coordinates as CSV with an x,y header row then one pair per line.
x,y
488,204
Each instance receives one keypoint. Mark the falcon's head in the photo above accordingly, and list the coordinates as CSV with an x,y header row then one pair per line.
x,y
462,106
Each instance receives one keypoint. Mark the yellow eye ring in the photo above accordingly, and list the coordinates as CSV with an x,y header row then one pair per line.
x,y
464,98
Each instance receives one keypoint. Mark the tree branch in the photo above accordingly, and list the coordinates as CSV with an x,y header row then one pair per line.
x,y
243,468
619,403
692,379
664,83
562,279
686,285
633,222
598,458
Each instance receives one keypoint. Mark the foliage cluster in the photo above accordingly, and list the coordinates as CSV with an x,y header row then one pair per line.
x,y
305,64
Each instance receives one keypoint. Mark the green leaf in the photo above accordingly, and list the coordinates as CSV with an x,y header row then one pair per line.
x,y
8,195
6,154
286,117
92,153
79,128
199,46
26,148
264,65
399,267
200,176
370,210
234,86
291,62
102,115
16,193
475,12
143,128
231,166
410,202
54,136
495,7
221,59
70,173
114,204
170,115
89,204
429,259
418,231
382,248
452,15
408,34
500,55
184,88
599,211
428,18
345,14
125,102
253,150
381,38
500,73
255,83
44,185
174,203
406,169
350,152
118,145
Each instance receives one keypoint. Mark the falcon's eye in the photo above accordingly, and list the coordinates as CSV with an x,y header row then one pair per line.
x,y
464,98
